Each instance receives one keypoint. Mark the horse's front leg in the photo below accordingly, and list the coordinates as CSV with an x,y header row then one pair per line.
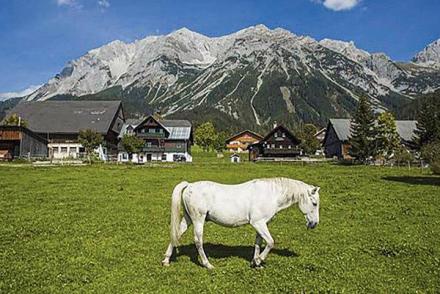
x,y
258,241
263,231
198,239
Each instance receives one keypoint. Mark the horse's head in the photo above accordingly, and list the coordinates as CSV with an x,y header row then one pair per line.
x,y
309,205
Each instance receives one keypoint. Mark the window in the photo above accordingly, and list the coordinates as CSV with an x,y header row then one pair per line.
x,y
124,156
273,145
276,134
55,150
178,145
151,130
164,157
281,146
148,144
290,147
72,151
283,135
63,149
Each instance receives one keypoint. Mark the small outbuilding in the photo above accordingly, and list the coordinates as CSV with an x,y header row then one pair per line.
x,y
20,142
235,158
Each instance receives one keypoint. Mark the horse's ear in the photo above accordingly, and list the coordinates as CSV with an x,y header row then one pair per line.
x,y
315,190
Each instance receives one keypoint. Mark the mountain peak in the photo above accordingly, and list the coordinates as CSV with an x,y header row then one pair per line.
x,y
347,48
430,55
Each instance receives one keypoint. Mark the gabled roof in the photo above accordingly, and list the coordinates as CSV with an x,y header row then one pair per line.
x,y
155,120
67,117
177,129
284,129
341,127
405,128
258,136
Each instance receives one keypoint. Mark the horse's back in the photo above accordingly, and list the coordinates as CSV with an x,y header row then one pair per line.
x,y
230,205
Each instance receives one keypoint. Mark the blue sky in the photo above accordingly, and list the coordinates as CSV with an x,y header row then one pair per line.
x,y
38,37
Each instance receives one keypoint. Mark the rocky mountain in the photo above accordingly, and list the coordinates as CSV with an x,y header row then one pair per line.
x,y
247,79
430,56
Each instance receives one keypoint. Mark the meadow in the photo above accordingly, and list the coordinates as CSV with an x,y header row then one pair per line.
x,y
104,228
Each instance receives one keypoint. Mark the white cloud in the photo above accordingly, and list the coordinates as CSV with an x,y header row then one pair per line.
x,y
104,3
338,5
70,3
8,95
66,2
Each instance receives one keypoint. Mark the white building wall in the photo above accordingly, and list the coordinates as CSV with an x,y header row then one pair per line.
x,y
143,157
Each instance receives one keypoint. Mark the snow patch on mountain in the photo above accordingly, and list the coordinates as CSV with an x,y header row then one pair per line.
x,y
430,56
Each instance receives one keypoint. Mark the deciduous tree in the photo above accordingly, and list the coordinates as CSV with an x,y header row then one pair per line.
x,y
309,143
131,144
15,120
90,140
205,136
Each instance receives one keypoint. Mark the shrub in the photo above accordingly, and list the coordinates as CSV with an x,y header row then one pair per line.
x,y
431,153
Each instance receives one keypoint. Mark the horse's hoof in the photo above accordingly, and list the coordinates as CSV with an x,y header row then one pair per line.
x,y
165,263
256,263
209,266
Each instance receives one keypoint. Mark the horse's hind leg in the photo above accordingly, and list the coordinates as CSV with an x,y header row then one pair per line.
x,y
198,239
262,229
184,224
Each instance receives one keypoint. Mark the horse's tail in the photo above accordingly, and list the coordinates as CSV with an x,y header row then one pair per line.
x,y
175,212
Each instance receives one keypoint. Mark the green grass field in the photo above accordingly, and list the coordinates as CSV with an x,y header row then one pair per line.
x,y
104,229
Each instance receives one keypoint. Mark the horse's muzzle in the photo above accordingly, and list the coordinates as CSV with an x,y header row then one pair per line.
x,y
311,225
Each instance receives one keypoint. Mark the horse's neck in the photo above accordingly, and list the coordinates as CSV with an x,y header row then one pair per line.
x,y
286,198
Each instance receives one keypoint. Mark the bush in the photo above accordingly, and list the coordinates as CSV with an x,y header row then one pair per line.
x,y
435,167
431,153
402,155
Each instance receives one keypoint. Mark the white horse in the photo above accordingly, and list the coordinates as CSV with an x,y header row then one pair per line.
x,y
255,202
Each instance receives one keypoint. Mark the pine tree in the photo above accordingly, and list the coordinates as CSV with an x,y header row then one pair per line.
x,y
428,120
387,140
363,132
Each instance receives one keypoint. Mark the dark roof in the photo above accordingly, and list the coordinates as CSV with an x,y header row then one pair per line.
x,y
282,128
67,117
171,123
245,131
405,128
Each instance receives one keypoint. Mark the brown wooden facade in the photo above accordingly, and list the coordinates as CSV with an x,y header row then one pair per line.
x,y
278,143
240,142
20,142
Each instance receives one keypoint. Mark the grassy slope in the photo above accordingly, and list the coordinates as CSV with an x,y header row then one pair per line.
x,y
105,229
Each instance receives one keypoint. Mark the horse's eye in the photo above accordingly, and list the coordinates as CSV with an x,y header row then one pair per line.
x,y
315,204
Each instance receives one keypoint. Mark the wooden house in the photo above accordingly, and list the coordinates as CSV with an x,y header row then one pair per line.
x,y
336,141
240,142
59,123
278,143
20,142
164,140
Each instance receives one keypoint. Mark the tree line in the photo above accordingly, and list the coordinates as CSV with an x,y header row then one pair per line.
x,y
376,137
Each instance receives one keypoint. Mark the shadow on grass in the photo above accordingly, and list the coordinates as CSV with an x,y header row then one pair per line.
x,y
224,251
432,181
